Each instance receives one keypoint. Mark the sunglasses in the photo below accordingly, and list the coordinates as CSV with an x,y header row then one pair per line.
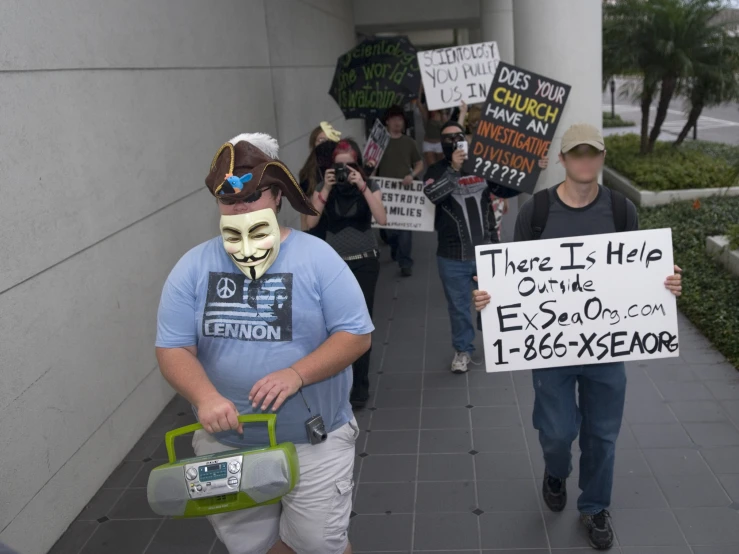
x,y
584,151
227,201
451,139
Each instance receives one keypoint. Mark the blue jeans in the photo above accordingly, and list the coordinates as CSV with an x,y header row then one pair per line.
x,y
401,244
456,278
558,416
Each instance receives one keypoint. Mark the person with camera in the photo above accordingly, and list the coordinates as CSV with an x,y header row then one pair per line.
x,y
347,203
465,218
266,318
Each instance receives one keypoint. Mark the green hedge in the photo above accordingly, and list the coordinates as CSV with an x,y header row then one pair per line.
x,y
615,121
710,293
696,165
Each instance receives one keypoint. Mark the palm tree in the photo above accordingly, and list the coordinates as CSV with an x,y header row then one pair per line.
x,y
659,40
716,80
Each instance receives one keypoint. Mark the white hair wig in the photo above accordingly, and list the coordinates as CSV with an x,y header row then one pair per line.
x,y
263,141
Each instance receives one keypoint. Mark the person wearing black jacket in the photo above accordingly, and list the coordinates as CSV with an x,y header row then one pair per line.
x,y
464,219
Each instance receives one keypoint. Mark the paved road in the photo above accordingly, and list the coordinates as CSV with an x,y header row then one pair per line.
x,y
720,124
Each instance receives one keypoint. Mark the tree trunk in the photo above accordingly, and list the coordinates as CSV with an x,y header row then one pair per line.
x,y
667,90
693,115
646,103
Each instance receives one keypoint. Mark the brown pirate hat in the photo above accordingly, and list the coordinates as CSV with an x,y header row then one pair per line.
x,y
247,164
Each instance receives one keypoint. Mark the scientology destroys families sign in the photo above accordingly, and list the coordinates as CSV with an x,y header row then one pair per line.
x,y
578,300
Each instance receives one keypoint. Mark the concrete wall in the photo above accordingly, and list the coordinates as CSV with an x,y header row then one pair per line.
x,y
110,115
386,15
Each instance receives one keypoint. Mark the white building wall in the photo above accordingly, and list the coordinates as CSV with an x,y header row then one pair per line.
x,y
111,113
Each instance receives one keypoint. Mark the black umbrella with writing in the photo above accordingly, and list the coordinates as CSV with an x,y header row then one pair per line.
x,y
374,75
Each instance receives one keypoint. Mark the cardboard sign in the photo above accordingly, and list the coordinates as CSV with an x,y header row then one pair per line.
x,y
377,142
578,300
407,207
459,73
517,126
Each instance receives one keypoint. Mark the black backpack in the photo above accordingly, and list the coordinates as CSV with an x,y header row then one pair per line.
x,y
541,212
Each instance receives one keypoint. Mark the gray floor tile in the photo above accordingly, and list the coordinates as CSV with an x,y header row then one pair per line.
x,y
132,505
513,530
446,467
395,419
694,491
122,475
74,537
392,442
730,483
698,411
631,463
723,391
502,465
642,528
637,492
717,549
650,412
655,550
709,435
142,478
493,396
183,537
407,363
680,372
219,548
122,537
445,398
384,498
482,379
715,372
708,526
386,469
660,435
144,448
444,380
626,438
513,495
399,381
456,496
445,418
100,505
397,398
673,391
722,460
676,461
531,551
495,416
702,356
446,531
731,407
381,533
565,530
445,442
504,439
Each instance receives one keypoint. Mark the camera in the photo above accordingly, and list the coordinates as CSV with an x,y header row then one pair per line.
x,y
316,430
342,173
462,145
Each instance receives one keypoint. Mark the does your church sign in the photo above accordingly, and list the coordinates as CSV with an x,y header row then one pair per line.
x,y
517,126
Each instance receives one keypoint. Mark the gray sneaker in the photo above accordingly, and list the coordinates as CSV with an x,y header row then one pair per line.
x,y
600,532
460,362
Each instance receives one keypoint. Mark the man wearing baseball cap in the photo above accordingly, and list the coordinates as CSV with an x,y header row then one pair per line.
x,y
576,207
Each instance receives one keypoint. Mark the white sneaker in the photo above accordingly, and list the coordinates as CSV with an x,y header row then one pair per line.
x,y
460,362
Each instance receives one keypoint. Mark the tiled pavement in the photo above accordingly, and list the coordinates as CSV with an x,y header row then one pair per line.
x,y
451,464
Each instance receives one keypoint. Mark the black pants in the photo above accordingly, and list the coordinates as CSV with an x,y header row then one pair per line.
x,y
366,272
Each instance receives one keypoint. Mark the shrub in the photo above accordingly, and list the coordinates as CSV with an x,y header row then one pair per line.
x,y
699,165
615,121
733,234
710,293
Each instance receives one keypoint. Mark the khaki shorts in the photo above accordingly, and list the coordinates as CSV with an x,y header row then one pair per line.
x,y
313,518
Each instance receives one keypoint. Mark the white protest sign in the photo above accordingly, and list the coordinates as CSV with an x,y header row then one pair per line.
x,y
407,206
578,300
377,142
451,75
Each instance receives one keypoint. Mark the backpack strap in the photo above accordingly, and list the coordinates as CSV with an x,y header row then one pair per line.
x,y
618,205
541,213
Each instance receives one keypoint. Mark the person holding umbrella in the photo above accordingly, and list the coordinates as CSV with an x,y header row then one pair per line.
x,y
401,160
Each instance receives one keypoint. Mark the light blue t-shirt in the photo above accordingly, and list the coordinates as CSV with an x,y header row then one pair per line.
x,y
246,329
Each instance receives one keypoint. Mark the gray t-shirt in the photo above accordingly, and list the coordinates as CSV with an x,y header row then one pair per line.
x,y
564,221
350,241
399,158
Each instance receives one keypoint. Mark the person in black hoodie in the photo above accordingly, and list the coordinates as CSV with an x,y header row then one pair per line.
x,y
464,219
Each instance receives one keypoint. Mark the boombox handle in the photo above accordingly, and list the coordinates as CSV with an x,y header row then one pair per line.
x,y
270,419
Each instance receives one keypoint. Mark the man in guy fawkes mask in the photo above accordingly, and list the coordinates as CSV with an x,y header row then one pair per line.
x,y
249,319
464,219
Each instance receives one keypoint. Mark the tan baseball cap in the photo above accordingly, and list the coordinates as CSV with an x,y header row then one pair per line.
x,y
582,133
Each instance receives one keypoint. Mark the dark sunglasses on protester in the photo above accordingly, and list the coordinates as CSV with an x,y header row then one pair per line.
x,y
226,201
584,151
451,139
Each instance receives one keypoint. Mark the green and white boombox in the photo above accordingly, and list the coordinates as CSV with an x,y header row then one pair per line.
x,y
225,481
